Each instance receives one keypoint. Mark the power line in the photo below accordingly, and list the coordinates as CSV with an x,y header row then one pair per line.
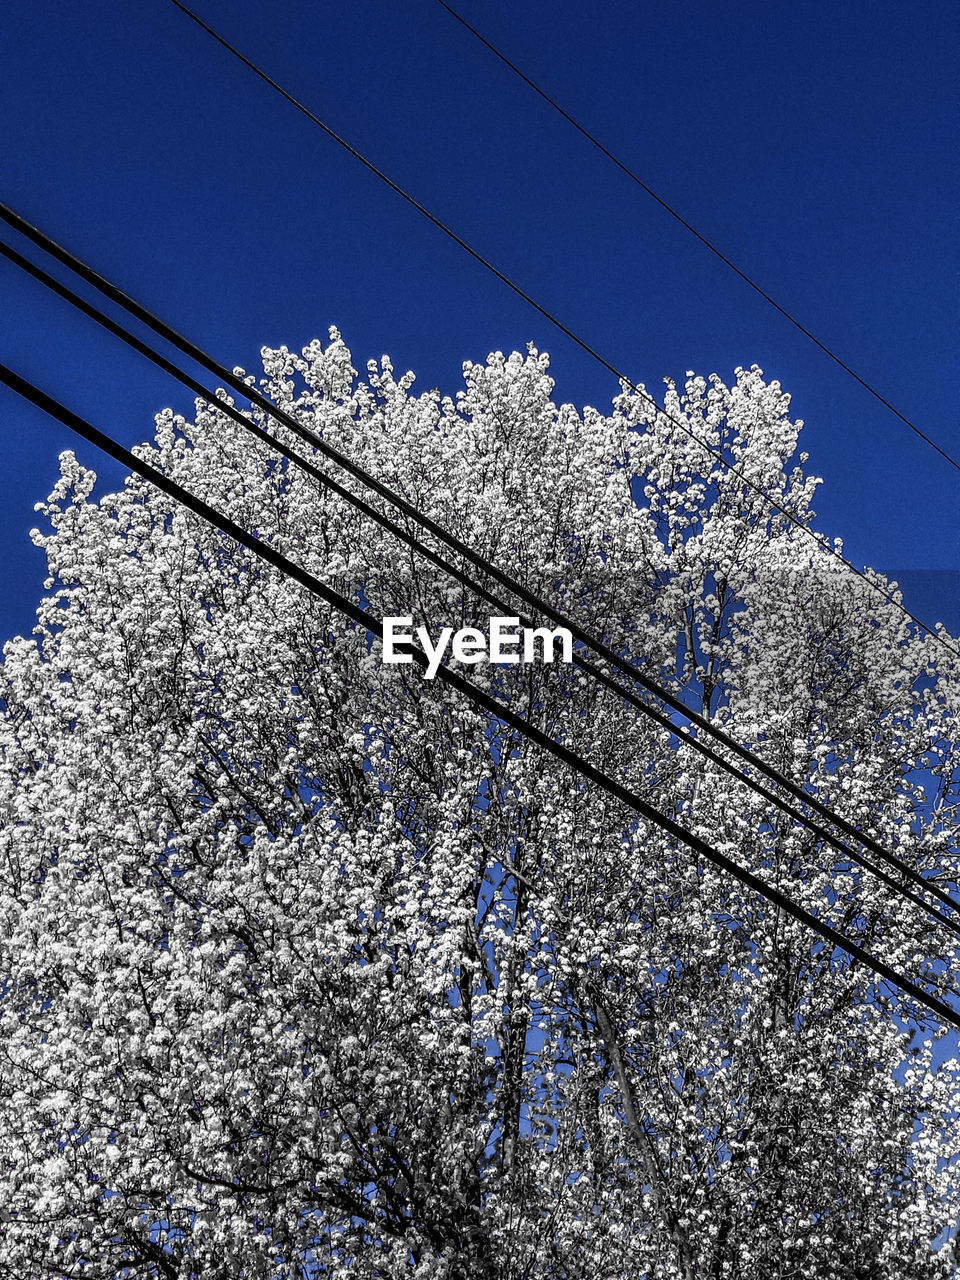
x,y
575,338
530,598
465,687
587,667
634,177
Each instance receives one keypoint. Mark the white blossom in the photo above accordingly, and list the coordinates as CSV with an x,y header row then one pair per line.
x,y
306,963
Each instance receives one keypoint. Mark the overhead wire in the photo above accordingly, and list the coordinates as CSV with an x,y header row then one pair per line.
x,y
635,177
557,323
479,697
531,599
421,548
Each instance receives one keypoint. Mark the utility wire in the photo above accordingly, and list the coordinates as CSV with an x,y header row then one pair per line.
x,y
634,177
392,527
478,696
530,598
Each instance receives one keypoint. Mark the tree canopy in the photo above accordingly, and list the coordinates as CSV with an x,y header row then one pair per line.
x,y
312,968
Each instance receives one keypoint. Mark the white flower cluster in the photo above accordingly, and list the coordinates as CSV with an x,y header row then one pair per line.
x,y
309,968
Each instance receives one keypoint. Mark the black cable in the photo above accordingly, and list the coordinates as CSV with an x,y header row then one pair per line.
x,y
497,709
634,177
415,544
530,598
580,342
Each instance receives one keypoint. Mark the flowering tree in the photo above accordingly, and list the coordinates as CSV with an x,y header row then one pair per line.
x,y
311,968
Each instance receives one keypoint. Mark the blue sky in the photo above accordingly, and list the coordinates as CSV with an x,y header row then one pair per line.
x,y
814,142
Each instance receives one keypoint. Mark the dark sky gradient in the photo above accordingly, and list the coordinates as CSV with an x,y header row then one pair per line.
x,y
815,142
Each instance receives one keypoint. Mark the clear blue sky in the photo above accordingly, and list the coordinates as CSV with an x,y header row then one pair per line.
x,y
815,142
